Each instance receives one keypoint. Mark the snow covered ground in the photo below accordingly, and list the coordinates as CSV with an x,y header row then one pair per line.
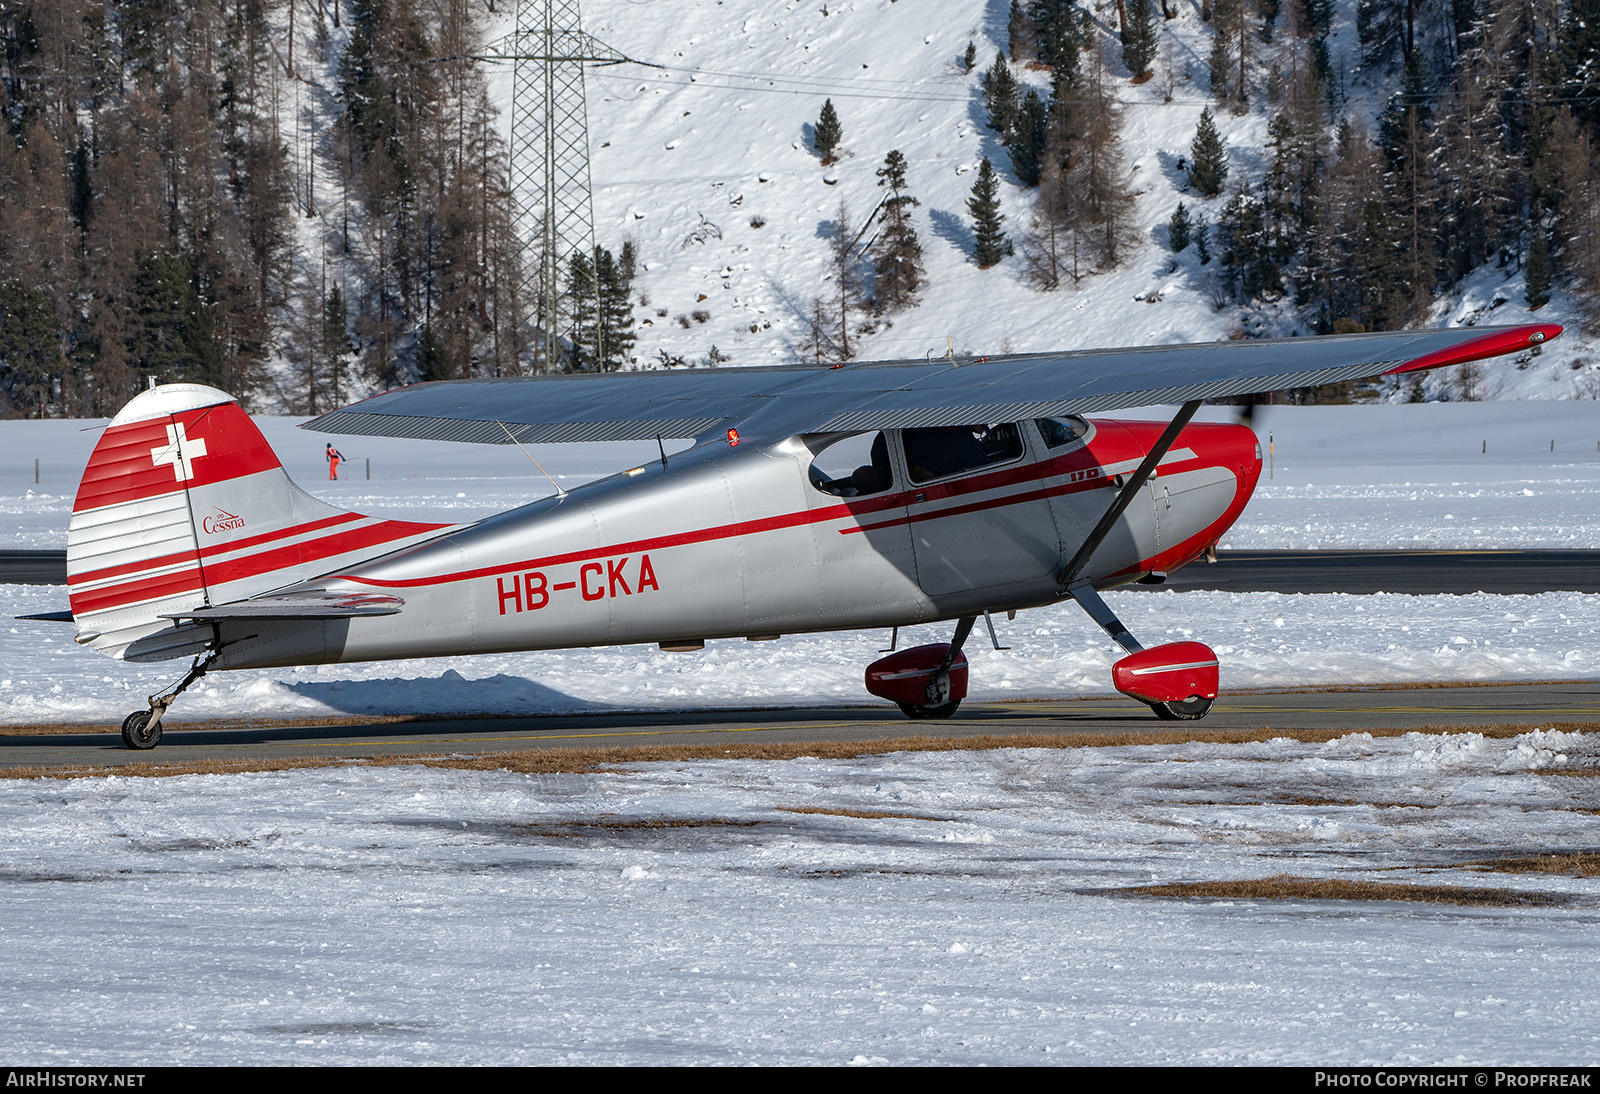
x,y
732,912
683,913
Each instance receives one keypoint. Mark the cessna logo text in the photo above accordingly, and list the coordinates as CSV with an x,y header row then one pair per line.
x,y
593,581
221,521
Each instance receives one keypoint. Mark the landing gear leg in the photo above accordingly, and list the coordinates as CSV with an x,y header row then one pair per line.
x,y
142,729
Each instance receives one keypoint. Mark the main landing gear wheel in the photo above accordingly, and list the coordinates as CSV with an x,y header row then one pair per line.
x,y
139,733
911,710
1189,710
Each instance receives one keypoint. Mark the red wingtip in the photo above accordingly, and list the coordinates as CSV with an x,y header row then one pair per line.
x,y
1490,344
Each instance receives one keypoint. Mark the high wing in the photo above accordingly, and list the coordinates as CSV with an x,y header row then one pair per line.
x,y
770,403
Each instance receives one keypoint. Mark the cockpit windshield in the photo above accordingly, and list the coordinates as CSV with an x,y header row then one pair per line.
x,y
1058,432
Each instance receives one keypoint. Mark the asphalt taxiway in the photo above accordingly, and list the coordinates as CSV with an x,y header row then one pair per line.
x,y
1531,705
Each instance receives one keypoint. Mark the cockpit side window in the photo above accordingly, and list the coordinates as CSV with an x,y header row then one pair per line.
x,y
950,450
853,466
1059,432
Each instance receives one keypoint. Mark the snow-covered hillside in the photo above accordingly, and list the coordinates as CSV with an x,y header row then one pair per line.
x,y
689,159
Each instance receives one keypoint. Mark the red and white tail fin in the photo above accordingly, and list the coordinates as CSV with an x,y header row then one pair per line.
x,y
183,505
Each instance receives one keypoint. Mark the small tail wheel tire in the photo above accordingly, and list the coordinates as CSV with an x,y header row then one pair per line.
x,y
912,710
139,733
1189,710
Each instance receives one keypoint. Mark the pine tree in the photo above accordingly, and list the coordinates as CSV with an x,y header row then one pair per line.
x,y
1028,143
600,289
1139,37
1537,272
1232,51
1179,228
969,59
1000,97
1056,24
1019,31
1408,104
984,205
176,339
1247,252
1383,26
433,361
897,253
1576,182
828,133
30,347
336,340
1208,158
1580,58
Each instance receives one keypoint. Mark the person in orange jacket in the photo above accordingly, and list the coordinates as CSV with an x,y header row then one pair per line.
x,y
333,462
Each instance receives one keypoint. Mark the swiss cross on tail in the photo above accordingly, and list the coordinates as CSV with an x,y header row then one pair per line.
x,y
180,451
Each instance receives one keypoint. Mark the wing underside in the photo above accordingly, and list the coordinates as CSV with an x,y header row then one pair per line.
x,y
291,606
769,403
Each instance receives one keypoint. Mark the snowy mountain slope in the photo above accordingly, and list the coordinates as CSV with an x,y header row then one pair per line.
x,y
723,133
706,164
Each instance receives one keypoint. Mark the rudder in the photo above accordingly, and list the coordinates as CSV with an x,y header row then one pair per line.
x,y
184,504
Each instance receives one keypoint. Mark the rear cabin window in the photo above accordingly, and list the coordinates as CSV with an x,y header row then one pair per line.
x,y
955,449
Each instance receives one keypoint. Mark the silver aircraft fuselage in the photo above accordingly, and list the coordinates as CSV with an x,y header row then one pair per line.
x,y
725,541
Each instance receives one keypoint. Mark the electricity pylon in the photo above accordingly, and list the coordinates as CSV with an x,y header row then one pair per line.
x,y
552,197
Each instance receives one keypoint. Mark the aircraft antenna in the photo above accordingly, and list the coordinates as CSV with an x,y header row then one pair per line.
x,y
551,192
560,493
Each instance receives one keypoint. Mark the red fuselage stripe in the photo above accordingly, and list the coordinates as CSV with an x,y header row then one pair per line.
x,y
283,533
899,501
220,573
132,592
141,565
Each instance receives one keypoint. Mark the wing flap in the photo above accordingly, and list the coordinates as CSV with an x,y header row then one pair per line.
x,y
779,402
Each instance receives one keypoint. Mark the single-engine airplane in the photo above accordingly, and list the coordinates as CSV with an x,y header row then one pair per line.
x,y
870,495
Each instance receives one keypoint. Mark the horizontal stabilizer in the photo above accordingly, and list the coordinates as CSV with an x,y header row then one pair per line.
x,y
771,403
297,606
49,617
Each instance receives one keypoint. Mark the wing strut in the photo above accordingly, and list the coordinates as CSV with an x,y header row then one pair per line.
x,y
1099,611
1069,576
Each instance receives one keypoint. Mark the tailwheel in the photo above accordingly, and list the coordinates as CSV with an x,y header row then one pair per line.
x,y
139,732
912,710
1189,710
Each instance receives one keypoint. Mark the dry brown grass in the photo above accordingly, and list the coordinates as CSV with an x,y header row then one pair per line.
x,y
541,761
1571,864
1289,887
